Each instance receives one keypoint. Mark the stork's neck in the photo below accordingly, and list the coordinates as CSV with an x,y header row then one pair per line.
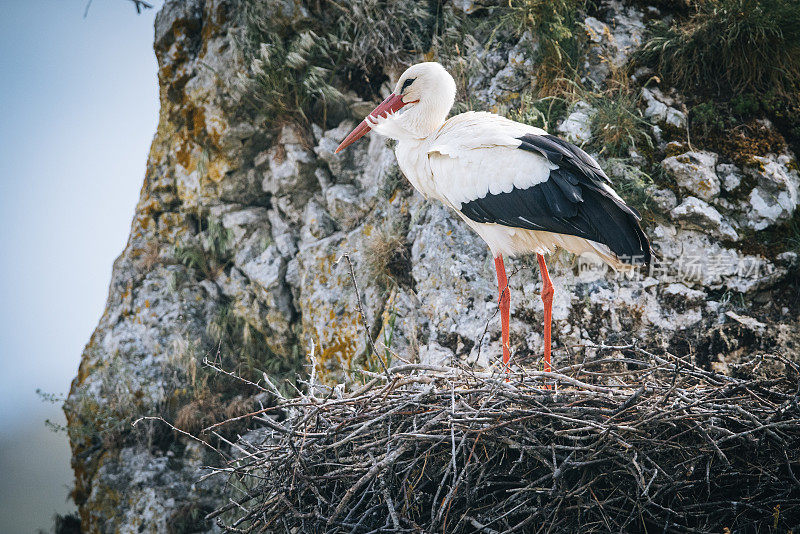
x,y
415,121
424,118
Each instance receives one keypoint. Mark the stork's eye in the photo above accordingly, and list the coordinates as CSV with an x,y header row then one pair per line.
x,y
406,84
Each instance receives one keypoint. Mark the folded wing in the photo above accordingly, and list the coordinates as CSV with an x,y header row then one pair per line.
x,y
534,181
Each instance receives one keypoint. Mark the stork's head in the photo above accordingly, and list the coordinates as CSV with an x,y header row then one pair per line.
x,y
418,106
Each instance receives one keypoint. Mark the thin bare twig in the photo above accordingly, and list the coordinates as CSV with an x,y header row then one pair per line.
x,y
139,4
363,316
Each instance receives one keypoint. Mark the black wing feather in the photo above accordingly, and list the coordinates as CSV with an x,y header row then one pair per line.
x,y
572,201
568,187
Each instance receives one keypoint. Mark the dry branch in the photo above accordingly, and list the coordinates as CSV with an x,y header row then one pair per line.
x,y
660,446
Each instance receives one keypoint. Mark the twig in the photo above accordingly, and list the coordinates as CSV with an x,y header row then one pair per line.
x,y
178,430
139,4
210,364
346,256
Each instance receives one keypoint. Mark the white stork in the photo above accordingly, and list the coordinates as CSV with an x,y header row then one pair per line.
x,y
521,189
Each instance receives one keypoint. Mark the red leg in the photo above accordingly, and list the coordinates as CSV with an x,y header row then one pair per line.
x,y
505,306
547,298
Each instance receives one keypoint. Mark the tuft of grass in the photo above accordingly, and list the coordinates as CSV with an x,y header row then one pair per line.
x,y
218,241
618,125
739,46
206,407
554,26
243,347
632,183
197,394
740,60
371,36
545,112
455,41
211,254
297,66
290,80
196,258
388,255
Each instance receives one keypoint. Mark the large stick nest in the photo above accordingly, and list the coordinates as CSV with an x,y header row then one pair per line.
x,y
631,441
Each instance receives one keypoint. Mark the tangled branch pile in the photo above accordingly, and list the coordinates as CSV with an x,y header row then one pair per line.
x,y
630,441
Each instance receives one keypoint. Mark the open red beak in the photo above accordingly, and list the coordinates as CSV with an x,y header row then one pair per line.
x,y
392,103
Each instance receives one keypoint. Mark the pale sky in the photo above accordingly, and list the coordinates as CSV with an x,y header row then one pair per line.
x,y
78,110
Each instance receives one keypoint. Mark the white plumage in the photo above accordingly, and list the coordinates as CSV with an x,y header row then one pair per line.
x,y
475,154
521,189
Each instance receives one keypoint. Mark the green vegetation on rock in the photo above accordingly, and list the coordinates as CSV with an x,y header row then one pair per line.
x,y
554,26
742,53
744,46
618,125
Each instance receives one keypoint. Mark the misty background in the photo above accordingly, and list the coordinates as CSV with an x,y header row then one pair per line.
x,y
78,110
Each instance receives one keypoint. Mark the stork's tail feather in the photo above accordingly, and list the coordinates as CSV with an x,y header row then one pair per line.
x,y
620,229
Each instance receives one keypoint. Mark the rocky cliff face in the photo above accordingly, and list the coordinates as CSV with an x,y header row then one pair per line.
x,y
234,250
